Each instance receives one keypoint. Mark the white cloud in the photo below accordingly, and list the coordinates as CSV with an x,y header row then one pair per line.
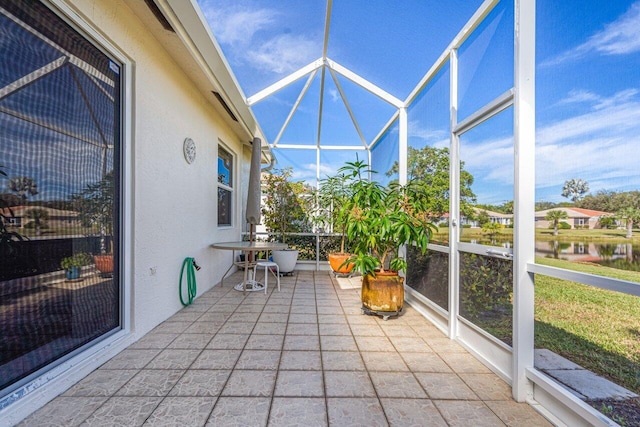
x,y
328,170
617,99
307,173
599,145
433,137
237,27
578,96
614,118
489,160
284,53
254,36
619,37
333,93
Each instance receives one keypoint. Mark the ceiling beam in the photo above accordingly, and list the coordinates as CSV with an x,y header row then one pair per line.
x,y
32,77
322,147
281,84
320,106
303,92
29,118
83,65
457,41
327,26
346,104
384,129
365,84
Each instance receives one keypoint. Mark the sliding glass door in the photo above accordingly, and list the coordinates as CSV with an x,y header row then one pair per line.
x,y
60,109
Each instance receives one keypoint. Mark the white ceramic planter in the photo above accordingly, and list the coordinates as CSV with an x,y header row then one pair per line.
x,y
286,259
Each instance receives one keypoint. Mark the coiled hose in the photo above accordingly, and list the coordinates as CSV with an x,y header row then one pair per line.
x,y
190,265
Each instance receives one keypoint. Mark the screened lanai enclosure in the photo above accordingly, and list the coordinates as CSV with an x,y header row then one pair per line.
x,y
537,280
467,127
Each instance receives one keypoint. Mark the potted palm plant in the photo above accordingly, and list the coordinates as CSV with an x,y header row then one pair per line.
x,y
333,213
283,212
381,221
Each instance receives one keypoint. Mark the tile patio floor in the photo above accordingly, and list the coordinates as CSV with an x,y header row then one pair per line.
x,y
301,356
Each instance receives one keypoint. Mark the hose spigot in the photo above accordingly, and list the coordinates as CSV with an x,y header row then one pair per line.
x,y
196,266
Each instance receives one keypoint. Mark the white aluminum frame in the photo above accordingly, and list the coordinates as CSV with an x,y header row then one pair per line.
x,y
524,196
602,282
454,195
282,83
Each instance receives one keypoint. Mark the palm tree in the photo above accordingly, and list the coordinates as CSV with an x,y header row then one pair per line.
x,y
39,216
7,238
95,207
575,189
555,216
23,185
630,215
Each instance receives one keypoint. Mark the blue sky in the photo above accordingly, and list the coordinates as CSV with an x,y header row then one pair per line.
x,y
588,82
60,163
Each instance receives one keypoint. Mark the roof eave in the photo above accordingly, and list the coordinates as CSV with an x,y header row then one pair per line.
x,y
191,28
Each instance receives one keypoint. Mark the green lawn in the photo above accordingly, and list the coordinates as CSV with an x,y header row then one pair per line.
x,y
595,328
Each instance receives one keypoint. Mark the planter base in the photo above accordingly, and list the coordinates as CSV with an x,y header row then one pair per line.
x,y
287,274
382,294
250,286
385,314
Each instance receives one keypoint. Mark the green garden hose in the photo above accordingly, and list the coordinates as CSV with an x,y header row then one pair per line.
x,y
191,266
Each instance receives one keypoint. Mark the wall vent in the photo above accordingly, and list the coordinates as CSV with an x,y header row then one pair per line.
x,y
224,105
159,16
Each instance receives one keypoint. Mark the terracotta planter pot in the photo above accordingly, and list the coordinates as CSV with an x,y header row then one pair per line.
x,y
336,260
383,293
104,263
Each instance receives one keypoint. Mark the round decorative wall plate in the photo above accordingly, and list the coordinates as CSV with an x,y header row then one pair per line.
x,y
189,149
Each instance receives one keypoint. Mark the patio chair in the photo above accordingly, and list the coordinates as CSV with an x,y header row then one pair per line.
x,y
269,266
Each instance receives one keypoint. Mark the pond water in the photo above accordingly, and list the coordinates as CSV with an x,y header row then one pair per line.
x,y
623,256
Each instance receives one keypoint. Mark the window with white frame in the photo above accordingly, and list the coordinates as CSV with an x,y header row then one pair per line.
x,y
225,186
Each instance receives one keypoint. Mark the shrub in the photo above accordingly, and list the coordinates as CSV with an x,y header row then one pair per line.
x,y
76,260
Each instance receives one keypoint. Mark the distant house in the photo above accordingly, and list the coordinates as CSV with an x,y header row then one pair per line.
x,y
18,216
576,218
495,217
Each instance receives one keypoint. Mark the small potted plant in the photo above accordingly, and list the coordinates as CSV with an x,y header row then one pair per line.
x,y
381,221
283,213
333,213
73,264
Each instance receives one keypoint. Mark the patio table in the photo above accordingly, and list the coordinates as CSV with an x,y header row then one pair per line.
x,y
246,247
